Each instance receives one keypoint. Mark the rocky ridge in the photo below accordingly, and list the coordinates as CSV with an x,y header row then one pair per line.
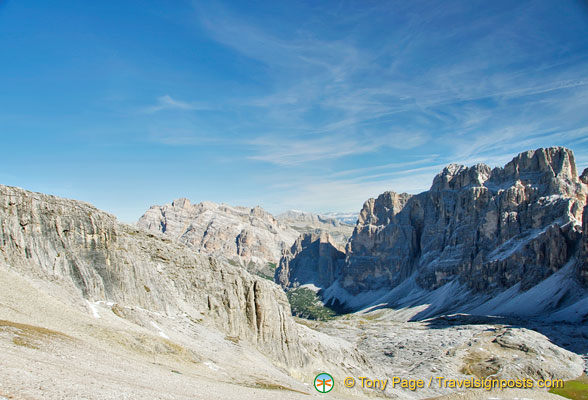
x,y
72,246
476,233
250,237
582,263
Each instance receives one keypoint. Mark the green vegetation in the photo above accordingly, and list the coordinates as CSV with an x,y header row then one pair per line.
x,y
576,389
272,386
29,335
262,275
306,304
233,263
267,272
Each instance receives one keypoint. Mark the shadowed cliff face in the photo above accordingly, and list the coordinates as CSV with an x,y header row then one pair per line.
x,y
74,245
480,228
582,262
313,259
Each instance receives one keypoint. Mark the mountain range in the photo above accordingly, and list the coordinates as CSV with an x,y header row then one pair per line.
x,y
484,275
499,241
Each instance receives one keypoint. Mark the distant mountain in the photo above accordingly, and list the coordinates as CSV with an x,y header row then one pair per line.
x,y
306,222
505,241
251,237
344,218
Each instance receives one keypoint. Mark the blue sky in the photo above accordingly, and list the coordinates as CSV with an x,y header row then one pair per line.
x,y
307,105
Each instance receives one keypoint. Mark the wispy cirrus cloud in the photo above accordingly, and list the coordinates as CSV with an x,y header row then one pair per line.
x,y
166,102
353,85
300,150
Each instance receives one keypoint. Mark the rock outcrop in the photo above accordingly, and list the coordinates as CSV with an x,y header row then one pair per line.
x,y
582,262
250,237
478,229
76,246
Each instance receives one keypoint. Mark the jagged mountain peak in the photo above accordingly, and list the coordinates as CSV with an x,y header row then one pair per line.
x,y
455,177
181,203
555,161
478,230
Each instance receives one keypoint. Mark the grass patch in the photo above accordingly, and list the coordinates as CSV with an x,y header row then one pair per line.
x,y
480,365
272,266
273,386
576,389
30,336
24,342
264,276
306,304
232,339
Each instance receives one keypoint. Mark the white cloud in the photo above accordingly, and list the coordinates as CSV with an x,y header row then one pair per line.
x,y
167,102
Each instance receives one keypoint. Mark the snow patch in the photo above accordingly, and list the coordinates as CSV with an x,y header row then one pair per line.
x,y
161,332
94,309
311,286
211,366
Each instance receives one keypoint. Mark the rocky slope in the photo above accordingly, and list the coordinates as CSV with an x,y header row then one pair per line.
x,y
305,222
100,259
476,234
70,247
250,237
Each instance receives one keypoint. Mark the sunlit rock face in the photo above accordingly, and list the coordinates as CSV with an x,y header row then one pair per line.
x,y
76,246
251,237
338,226
483,229
491,227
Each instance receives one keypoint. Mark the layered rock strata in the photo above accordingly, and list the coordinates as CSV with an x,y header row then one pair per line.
x,y
250,237
74,245
480,228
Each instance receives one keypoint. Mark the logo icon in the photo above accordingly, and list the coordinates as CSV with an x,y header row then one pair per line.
x,y
324,383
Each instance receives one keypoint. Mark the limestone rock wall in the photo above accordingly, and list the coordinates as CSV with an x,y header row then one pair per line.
x,y
487,229
251,236
491,227
74,245
582,262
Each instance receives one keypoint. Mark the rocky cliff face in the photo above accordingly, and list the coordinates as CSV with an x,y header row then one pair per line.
x,y
582,262
313,259
76,246
249,236
480,229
